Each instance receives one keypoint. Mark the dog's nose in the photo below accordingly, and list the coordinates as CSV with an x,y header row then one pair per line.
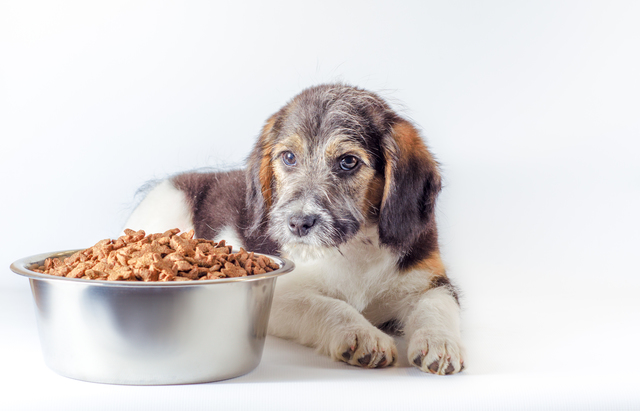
x,y
300,225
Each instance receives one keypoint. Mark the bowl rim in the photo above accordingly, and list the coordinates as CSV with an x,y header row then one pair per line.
x,y
22,265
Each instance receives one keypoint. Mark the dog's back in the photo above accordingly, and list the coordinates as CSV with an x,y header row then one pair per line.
x,y
211,203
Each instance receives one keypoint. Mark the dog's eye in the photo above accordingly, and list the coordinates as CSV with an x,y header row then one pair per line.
x,y
288,158
348,163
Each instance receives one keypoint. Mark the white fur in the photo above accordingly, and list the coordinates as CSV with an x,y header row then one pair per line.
x,y
165,207
230,237
434,325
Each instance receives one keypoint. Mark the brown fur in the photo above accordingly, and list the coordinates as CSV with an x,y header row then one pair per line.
x,y
374,196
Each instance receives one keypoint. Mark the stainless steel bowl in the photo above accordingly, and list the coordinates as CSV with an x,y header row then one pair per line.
x,y
151,333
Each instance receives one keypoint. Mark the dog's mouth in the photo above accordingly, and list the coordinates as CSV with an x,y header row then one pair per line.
x,y
326,242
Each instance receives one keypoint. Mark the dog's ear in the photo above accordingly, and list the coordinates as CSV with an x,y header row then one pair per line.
x,y
259,177
412,183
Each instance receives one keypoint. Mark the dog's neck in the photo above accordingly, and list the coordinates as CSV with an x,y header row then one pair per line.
x,y
355,272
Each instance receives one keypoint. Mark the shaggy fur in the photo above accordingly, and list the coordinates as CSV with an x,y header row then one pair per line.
x,y
346,188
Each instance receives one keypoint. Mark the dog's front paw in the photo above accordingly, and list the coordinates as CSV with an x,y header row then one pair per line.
x,y
370,348
435,354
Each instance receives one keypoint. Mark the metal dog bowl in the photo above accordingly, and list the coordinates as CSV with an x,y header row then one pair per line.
x,y
151,333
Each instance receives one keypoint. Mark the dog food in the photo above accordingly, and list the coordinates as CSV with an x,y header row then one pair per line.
x,y
167,256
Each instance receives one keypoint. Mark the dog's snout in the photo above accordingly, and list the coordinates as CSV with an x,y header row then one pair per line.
x,y
300,225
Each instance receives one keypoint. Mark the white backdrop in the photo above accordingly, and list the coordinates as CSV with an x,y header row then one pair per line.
x,y
533,109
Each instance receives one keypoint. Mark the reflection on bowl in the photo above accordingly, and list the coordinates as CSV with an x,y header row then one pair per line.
x,y
151,333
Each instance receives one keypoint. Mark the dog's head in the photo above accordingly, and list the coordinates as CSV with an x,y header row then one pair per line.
x,y
337,159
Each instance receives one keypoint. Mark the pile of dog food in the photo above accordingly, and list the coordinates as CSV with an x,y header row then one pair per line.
x,y
168,256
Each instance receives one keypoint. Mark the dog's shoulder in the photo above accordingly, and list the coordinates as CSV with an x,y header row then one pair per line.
x,y
212,203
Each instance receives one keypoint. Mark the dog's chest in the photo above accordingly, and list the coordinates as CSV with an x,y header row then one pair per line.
x,y
358,274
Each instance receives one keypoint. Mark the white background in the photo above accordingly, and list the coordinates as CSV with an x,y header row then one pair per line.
x,y
532,108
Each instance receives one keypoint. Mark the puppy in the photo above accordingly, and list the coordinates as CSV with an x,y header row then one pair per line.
x,y
347,189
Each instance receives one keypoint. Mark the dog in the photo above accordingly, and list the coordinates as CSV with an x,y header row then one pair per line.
x,y
346,188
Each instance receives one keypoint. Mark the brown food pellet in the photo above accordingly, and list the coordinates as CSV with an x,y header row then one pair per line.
x,y
168,256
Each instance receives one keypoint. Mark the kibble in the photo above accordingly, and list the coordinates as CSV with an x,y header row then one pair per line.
x,y
168,256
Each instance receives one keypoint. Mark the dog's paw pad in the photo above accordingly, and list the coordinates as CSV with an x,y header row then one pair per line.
x,y
417,361
435,355
451,369
346,356
365,360
384,362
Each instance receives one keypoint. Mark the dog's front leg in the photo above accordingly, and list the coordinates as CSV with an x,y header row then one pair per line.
x,y
335,328
433,328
